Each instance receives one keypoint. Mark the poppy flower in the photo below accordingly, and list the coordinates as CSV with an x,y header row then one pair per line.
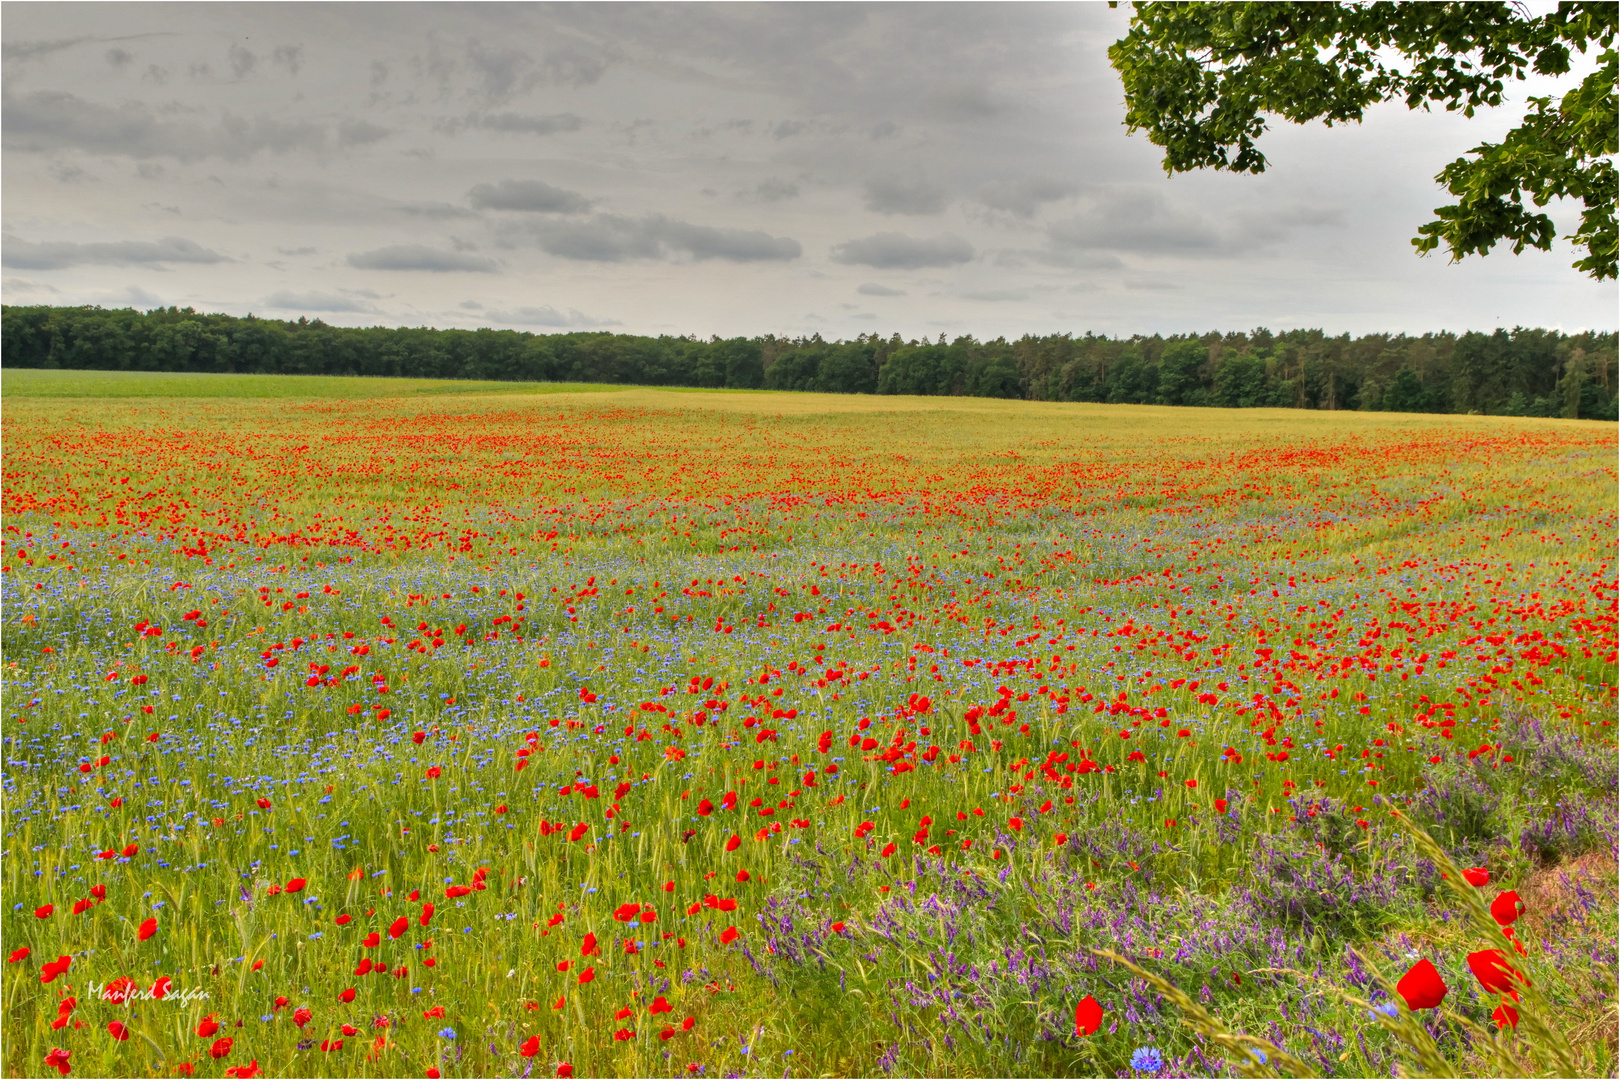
x,y
58,1059
302,1016
44,911
530,1047
1506,1016
729,935
160,988
587,975
221,1048
1477,876
1505,908
347,996
660,1005
686,1025
146,930
734,843
295,885
118,1031
400,925
1495,974
1087,1016
207,1026
564,1069
19,954
1421,987
588,946
623,1035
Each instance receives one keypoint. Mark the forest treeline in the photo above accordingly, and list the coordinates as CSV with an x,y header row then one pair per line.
x,y
1519,372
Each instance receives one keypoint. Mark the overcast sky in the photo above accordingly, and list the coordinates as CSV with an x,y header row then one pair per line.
x,y
729,169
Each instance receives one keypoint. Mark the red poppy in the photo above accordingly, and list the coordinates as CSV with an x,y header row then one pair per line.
x,y
400,925
58,1059
734,843
729,935
587,975
1087,1016
564,1069
207,1026
302,1016
221,1048
160,988
1505,908
19,954
660,1005
1421,987
146,930
44,911
1495,974
248,1071
347,996
530,1047
1477,876
118,1031
588,946
295,885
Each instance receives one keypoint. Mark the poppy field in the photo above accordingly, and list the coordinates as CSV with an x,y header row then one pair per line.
x,y
662,733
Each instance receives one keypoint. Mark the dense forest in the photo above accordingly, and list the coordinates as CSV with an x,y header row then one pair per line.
x,y
1520,372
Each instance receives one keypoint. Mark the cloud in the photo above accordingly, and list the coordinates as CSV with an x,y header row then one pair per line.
x,y
534,196
1024,198
874,289
775,189
317,301
611,238
57,254
290,57
117,57
241,61
360,133
1134,221
420,257
55,120
997,295
23,285
517,123
887,195
897,251
546,315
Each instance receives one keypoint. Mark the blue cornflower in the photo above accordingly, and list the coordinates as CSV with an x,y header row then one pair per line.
x,y
1147,1059
448,1033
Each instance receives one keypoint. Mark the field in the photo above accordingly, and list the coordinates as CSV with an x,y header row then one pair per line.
x,y
500,731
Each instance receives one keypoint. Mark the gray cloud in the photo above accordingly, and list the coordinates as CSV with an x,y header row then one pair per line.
x,y
420,257
1024,198
241,61
290,57
897,251
118,58
775,189
55,120
360,133
611,238
874,289
519,124
318,301
887,195
535,196
546,315
1136,221
56,254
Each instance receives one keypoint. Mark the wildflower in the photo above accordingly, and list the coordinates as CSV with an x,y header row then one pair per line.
x,y
1147,1059
207,1026
1087,1016
58,1059
244,1072
530,1047
118,1031
221,1048
564,1069
1421,987
1477,876
146,930
295,885
1505,908
1495,974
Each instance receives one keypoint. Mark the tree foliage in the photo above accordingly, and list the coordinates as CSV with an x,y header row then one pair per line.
x,y
1522,372
1201,78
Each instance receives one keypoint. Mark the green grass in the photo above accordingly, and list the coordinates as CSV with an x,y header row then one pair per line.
x,y
221,597
35,383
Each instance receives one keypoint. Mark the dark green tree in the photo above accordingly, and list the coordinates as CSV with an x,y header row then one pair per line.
x,y
1201,78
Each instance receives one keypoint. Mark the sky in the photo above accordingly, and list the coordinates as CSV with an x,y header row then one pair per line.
x,y
730,169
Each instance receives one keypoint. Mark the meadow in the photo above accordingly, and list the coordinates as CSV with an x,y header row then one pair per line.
x,y
399,728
